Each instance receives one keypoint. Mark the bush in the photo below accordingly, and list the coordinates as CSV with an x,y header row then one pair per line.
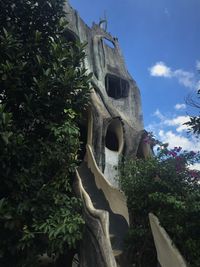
x,y
167,187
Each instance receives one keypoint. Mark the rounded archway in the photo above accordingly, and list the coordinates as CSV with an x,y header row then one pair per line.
x,y
114,136
114,143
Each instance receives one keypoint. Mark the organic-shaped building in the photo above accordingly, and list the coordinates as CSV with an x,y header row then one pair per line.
x,y
112,128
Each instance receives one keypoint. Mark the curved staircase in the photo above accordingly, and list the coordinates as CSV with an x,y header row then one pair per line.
x,y
117,224
106,199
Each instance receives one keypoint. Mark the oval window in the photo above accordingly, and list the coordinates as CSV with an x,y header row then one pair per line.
x,y
114,135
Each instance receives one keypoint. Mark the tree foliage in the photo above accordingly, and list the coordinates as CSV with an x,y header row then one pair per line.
x,y
194,122
167,187
43,90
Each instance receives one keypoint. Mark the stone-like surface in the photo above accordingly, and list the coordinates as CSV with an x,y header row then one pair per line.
x,y
102,60
95,248
112,160
114,129
168,255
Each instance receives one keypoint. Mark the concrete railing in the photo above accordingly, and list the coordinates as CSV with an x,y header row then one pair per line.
x,y
102,215
103,218
167,253
115,198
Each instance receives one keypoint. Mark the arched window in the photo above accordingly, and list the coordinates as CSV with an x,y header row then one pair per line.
x,y
114,136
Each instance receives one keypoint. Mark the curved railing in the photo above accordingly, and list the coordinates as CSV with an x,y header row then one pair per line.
x,y
115,198
103,215
103,218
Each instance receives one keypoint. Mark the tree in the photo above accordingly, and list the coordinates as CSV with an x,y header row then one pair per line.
x,y
167,187
194,122
43,90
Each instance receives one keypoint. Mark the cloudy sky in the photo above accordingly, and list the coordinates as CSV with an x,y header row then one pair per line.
x,y
160,41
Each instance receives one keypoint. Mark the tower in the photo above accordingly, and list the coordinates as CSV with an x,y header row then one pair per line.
x,y
111,128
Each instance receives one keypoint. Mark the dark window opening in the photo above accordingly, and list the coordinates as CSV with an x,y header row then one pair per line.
x,y
108,43
112,142
116,87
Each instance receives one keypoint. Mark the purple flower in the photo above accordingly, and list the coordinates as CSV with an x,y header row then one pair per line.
x,y
172,153
194,174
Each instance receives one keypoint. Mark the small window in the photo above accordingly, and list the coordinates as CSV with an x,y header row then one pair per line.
x,y
116,87
108,43
114,136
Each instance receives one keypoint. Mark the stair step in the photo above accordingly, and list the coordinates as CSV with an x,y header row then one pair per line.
x,y
117,252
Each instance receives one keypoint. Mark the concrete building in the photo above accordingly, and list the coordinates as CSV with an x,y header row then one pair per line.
x,y
113,127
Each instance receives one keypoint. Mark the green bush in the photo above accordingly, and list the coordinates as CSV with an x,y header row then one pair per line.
x,y
167,187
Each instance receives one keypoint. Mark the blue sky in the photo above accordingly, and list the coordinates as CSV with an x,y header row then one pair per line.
x,y
160,41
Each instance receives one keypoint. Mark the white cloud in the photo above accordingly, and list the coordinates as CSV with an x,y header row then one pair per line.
x,y
185,78
198,65
160,70
178,121
172,131
198,69
159,115
176,140
180,106
195,166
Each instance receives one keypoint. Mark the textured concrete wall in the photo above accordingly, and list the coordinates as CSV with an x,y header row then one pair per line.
x,y
101,60
168,255
112,160
115,198
114,108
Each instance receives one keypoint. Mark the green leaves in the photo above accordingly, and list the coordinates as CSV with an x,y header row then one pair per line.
x,y
166,187
38,36
62,225
5,125
6,136
194,124
43,92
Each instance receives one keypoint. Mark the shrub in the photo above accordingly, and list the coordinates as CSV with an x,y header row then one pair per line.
x,y
167,187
